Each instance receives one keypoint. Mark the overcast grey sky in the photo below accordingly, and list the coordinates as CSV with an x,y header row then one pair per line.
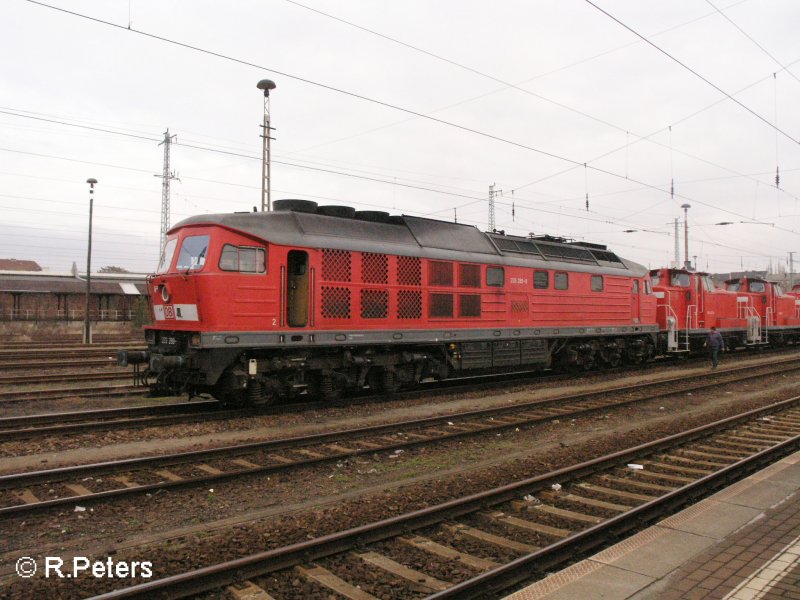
x,y
543,85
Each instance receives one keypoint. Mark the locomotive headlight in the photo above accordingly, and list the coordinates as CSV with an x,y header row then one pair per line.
x,y
164,293
195,340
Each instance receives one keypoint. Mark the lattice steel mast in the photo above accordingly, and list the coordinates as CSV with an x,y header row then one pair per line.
x,y
166,177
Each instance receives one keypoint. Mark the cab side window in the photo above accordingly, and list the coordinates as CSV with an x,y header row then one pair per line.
x,y
243,259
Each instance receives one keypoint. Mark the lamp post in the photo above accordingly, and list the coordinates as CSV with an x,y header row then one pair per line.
x,y
686,264
87,327
266,85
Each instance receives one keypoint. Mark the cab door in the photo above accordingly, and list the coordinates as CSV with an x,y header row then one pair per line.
x,y
636,301
297,289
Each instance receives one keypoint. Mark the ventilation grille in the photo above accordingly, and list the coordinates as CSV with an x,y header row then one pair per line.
x,y
409,270
469,305
374,268
409,304
440,305
335,302
519,306
516,245
336,265
374,304
565,252
606,256
469,276
441,273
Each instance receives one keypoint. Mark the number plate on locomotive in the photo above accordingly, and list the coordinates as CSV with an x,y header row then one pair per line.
x,y
168,340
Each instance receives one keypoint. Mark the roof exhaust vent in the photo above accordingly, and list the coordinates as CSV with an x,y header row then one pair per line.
x,y
332,210
375,216
306,206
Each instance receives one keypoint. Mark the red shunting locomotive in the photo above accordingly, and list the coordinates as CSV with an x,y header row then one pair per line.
x,y
254,307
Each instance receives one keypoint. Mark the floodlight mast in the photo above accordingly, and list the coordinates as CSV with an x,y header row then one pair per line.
x,y
266,202
87,324
686,263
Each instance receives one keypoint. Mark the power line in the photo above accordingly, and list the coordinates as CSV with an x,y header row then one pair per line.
x,y
745,34
237,154
367,99
341,91
692,71
517,87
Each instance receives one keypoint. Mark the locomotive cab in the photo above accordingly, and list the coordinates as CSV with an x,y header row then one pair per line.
x,y
766,300
689,304
188,302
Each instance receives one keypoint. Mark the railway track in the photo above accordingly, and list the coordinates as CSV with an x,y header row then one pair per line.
x,y
48,354
483,544
26,492
15,428
59,364
76,344
45,378
105,391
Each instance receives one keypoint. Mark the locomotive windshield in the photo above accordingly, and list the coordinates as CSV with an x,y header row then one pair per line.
x,y
680,280
193,253
166,256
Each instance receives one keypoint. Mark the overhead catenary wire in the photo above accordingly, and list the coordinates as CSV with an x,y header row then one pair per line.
x,y
507,84
695,73
486,135
749,37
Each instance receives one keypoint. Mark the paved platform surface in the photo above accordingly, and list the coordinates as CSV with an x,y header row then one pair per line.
x,y
743,543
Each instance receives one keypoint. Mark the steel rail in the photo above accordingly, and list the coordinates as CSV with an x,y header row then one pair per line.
x,y
16,480
215,576
64,422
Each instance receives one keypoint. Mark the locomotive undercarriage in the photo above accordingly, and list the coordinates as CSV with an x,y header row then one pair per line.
x,y
263,376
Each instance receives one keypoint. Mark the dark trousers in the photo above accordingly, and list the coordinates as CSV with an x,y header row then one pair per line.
x,y
714,357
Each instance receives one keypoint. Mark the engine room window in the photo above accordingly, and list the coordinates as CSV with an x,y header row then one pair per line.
x,y
635,286
166,257
680,280
193,253
495,276
244,260
541,280
561,281
597,283
647,287
758,287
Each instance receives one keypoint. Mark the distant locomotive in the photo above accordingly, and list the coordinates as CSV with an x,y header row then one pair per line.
x,y
253,307
747,311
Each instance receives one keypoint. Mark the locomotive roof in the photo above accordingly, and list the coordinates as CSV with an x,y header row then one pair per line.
x,y
416,236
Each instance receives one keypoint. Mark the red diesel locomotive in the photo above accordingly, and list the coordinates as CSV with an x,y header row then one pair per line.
x,y
747,311
251,307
